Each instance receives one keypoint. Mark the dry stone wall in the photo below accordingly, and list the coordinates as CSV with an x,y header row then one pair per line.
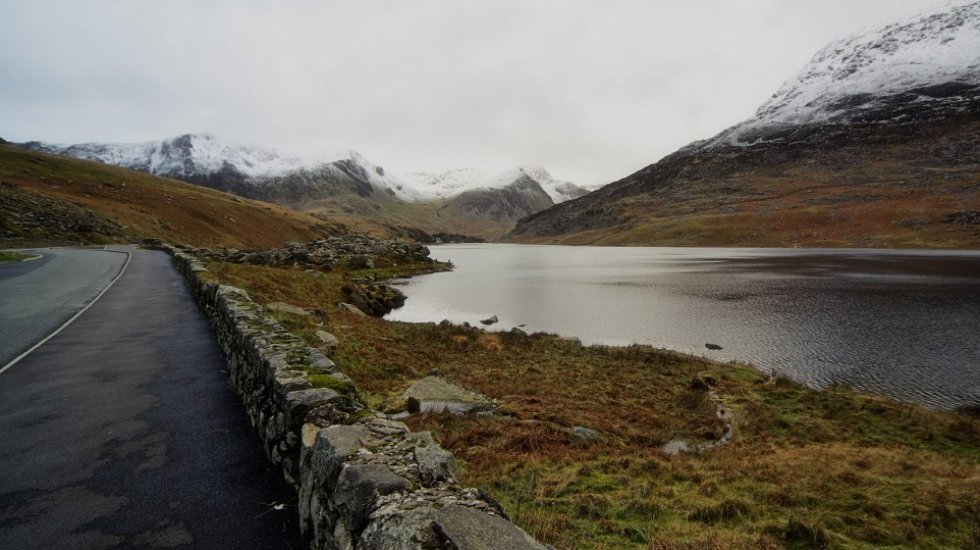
x,y
364,481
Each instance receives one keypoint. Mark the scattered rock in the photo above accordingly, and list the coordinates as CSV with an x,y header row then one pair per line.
x,y
966,217
281,307
327,341
360,262
703,382
712,346
352,309
355,250
375,299
676,447
490,320
587,434
433,394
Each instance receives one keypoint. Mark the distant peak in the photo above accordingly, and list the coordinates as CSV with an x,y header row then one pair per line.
x,y
891,73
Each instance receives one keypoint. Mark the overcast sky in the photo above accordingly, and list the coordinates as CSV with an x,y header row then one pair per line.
x,y
591,90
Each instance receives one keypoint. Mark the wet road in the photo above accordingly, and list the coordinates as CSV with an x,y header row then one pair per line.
x,y
36,297
123,432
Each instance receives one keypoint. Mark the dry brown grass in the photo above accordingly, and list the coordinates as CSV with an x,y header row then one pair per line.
x,y
148,206
887,195
806,469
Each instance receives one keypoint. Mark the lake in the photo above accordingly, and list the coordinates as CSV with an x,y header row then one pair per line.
x,y
899,323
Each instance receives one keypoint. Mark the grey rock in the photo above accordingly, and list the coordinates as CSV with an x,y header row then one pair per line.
x,y
468,529
434,462
489,321
322,365
327,341
332,447
359,486
298,403
395,528
587,434
280,307
434,394
360,262
352,309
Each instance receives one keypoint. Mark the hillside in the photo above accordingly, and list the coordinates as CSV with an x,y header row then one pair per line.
x,y
478,203
876,143
47,197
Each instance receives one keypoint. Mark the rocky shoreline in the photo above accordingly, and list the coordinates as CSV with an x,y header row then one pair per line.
x,y
354,252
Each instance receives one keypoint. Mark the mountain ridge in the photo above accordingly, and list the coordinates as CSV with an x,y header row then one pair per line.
x,y
201,157
478,203
820,179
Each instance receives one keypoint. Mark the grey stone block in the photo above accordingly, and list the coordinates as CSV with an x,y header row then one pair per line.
x,y
434,463
468,529
359,486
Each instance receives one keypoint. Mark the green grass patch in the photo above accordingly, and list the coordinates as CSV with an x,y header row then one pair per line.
x,y
13,257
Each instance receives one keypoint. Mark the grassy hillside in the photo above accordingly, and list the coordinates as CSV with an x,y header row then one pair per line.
x,y
913,186
56,198
386,216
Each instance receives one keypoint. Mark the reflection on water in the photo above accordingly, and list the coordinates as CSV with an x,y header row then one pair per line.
x,y
901,323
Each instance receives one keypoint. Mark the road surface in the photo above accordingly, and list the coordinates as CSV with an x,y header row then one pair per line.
x,y
123,431
38,296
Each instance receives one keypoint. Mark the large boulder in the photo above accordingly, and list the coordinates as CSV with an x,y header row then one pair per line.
x,y
435,394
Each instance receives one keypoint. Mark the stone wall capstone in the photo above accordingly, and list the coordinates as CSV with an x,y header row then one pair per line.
x,y
363,481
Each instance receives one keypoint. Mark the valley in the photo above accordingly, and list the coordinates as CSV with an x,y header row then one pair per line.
x,y
720,350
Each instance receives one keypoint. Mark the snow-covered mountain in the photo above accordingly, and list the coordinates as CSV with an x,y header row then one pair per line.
x,y
926,65
444,185
874,143
254,172
179,157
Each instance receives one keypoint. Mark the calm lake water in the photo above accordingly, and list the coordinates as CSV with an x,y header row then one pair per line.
x,y
899,323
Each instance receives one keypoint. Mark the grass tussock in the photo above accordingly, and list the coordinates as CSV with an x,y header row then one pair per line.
x,y
12,257
806,469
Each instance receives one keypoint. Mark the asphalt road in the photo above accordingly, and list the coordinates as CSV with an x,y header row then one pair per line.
x,y
123,432
38,296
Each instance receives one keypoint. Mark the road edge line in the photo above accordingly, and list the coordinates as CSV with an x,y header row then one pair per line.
x,y
129,256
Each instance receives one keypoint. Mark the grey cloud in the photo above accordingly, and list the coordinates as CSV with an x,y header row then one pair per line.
x,y
591,90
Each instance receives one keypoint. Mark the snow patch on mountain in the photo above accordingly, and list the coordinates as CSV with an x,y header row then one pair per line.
x,y
853,75
184,156
193,156
427,186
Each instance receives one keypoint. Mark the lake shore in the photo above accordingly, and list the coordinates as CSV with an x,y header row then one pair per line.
x,y
893,322
804,468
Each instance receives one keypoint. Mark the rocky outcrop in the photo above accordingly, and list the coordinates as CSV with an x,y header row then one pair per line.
x,y
353,250
364,481
31,215
375,299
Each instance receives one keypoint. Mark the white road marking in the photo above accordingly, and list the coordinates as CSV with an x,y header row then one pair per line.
x,y
17,359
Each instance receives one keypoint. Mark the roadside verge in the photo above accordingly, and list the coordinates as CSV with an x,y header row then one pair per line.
x,y
363,480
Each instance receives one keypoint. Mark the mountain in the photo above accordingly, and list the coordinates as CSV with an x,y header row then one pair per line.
x,y
472,202
444,185
46,197
876,142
